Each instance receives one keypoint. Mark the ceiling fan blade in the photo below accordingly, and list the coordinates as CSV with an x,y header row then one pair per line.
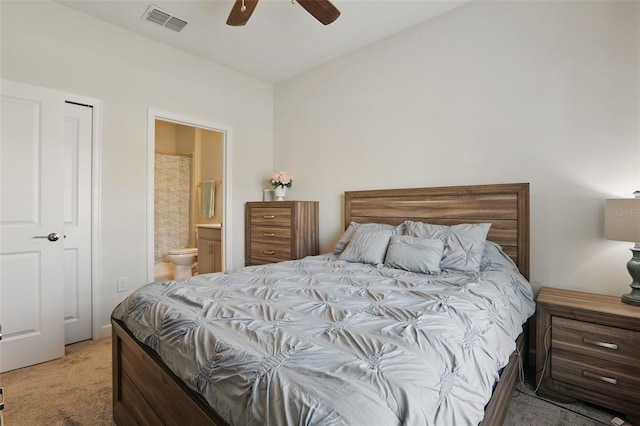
x,y
322,10
239,17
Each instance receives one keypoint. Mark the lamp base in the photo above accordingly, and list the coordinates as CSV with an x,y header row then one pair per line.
x,y
633,266
632,298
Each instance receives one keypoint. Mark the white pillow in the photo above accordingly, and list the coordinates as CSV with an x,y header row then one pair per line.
x,y
495,255
463,243
354,226
367,246
414,254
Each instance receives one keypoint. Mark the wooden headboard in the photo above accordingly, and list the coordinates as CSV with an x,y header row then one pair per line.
x,y
505,206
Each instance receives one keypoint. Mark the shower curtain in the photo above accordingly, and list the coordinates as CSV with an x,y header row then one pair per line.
x,y
172,203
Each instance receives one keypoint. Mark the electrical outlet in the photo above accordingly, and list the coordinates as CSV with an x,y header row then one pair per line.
x,y
122,284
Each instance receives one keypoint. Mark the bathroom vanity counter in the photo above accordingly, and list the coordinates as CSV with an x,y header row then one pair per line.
x,y
209,248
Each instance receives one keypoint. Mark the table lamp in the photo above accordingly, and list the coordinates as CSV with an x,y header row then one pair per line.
x,y
622,223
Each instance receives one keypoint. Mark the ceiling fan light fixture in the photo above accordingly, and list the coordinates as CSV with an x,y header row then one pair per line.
x,y
323,10
241,12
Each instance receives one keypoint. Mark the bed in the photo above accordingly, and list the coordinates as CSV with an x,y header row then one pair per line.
x,y
323,370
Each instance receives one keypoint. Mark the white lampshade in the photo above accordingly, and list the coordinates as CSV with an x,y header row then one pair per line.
x,y
622,219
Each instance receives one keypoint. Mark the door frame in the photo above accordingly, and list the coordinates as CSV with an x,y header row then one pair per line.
x,y
155,114
98,330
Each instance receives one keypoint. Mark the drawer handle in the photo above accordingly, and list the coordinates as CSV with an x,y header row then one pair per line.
x,y
269,217
601,344
269,252
266,234
603,378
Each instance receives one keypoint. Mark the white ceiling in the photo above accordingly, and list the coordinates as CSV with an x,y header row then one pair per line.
x,y
280,40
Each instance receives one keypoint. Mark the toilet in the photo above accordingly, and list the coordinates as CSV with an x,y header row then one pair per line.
x,y
183,259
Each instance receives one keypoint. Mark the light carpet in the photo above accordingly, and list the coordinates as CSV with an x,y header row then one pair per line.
x,y
76,390
71,391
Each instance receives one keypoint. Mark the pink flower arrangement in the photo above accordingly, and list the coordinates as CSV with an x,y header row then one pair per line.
x,y
281,179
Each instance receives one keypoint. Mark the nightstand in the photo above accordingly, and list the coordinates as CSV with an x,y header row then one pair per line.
x,y
276,231
591,345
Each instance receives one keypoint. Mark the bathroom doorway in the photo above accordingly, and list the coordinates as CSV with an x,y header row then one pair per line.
x,y
188,194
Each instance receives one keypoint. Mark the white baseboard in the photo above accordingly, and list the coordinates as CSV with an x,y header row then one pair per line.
x,y
105,331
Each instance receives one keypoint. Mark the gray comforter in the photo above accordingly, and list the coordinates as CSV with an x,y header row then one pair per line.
x,y
320,341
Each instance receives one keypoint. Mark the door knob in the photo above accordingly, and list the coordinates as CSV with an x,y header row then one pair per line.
x,y
51,237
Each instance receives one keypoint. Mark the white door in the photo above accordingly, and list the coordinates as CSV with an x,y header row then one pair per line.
x,y
77,223
31,208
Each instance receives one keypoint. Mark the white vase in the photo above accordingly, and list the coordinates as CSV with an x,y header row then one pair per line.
x,y
280,192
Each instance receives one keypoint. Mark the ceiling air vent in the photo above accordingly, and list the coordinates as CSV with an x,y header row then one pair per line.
x,y
164,18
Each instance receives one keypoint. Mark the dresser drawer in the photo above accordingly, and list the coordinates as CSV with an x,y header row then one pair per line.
x,y
596,374
271,216
209,233
269,252
607,343
271,234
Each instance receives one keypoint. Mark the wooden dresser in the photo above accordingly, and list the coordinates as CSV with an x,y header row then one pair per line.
x,y
280,230
591,344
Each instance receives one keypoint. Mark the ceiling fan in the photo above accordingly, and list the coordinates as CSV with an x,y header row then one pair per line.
x,y
322,10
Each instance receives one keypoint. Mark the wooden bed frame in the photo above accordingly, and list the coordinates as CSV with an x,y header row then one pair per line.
x,y
146,392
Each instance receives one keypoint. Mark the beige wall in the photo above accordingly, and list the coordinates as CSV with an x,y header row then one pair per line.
x,y
47,44
211,168
185,139
165,137
539,92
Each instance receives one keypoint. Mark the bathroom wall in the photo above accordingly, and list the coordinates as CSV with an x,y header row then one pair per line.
x,y
173,192
211,162
174,188
177,213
